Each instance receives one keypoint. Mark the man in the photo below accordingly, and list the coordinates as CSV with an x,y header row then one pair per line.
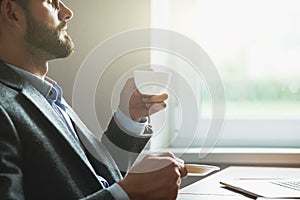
x,y
46,151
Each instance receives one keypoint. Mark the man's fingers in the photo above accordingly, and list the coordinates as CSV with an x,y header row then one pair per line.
x,y
154,108
155,98
181,166
183,170
172,158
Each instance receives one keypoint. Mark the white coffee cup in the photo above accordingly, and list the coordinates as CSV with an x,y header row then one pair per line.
x,y
151,82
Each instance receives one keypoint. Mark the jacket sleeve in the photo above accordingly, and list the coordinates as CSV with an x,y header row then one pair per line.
x,y
124,147
10,159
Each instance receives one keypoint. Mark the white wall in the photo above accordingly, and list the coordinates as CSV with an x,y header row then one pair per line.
x,y
93,22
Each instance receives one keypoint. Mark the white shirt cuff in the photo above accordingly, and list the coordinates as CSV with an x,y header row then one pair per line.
x,y
128,124
117,192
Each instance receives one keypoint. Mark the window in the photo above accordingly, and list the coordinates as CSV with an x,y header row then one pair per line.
x,y
255,45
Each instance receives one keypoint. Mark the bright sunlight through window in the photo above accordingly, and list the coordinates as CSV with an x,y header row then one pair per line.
x,y
255,45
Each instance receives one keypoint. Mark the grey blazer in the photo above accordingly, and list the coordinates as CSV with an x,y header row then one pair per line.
x,y
39,157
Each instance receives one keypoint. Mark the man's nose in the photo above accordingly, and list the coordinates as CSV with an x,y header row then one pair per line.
x,y
65,13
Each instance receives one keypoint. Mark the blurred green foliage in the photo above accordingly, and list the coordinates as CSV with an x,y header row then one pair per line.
x,y
262,90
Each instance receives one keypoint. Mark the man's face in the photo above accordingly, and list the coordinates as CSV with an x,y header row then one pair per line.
x,y
48,35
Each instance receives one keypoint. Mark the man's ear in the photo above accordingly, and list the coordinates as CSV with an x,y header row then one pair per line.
x,y
11,12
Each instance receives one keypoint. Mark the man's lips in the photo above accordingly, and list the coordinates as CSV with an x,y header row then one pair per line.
x,y
64,28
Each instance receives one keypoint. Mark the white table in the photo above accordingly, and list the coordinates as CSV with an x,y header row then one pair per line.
x,y
210,189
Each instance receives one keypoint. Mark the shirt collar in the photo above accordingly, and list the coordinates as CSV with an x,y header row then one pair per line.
x,y
46,86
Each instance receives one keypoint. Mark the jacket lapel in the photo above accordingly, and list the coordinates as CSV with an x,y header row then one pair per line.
x,y
95,147
12,79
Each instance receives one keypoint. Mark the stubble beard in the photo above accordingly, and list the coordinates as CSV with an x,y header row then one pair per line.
x,y
47,42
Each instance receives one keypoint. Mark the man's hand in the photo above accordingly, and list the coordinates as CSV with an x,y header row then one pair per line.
x,y
138,106
155,177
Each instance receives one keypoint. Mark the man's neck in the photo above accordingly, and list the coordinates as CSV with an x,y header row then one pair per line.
x,y
22,57
37,68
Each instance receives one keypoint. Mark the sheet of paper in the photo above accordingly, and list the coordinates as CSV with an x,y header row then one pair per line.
x,y
209,197
261,198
